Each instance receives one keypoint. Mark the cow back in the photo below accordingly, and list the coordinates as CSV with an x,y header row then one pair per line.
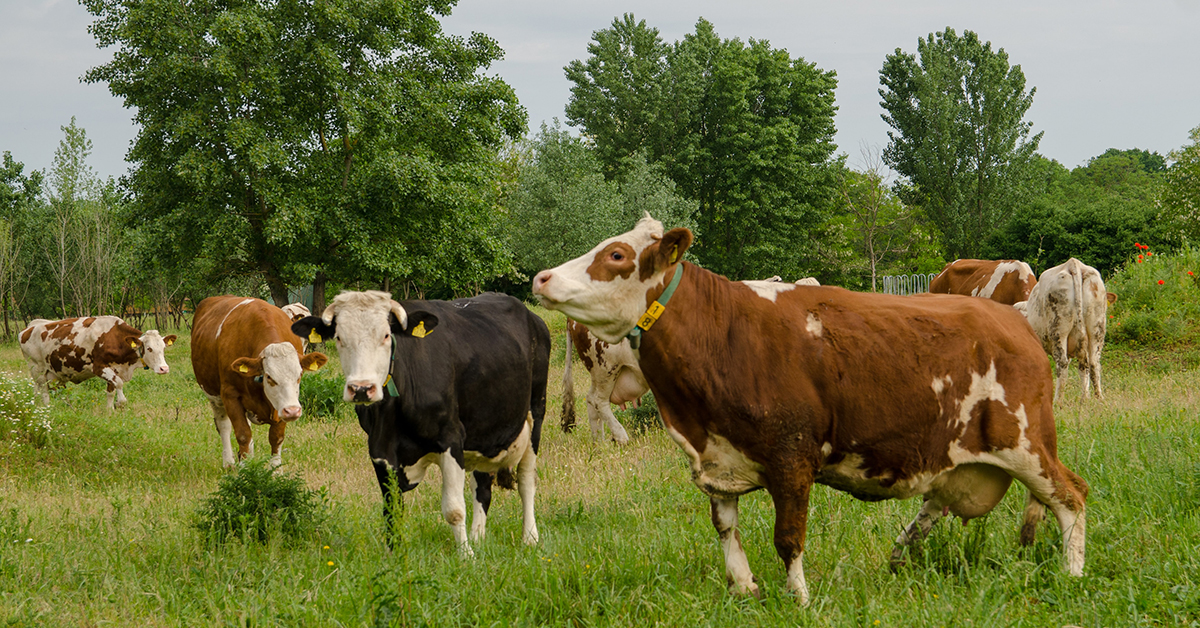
x,y
225,328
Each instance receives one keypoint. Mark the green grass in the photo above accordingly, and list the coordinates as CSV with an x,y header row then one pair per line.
x,y
107,506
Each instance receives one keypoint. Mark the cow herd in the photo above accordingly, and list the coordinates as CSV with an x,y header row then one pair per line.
x,y
763,384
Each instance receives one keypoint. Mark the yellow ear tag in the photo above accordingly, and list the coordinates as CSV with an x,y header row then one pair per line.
x,y
314,366
243,369
314,337
133,345
674,255
170,342
419,330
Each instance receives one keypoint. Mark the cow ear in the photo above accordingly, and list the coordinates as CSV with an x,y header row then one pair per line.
x,y
314,329
1112,297
247,367
313,361
134,342
666,252
170,340
420,324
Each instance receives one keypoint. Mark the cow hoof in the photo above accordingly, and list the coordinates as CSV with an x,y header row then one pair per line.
x,y
465,551
748,590
897,562
531,537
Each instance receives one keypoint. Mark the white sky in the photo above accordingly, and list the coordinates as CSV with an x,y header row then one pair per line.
x,y
1109,74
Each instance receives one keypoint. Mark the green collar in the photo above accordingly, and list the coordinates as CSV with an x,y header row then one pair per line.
x,y
655,310
389,384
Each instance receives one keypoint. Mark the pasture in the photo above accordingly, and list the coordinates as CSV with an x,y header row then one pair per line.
x,y
95,528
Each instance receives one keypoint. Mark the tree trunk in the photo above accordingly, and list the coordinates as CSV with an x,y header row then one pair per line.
x,y
279,291
318,295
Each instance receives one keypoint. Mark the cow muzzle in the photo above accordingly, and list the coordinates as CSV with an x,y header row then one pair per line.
x,y
362,392
290,413
162,370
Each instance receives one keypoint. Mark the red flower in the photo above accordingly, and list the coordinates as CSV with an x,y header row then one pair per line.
x,y
1161,282
1137,245
1189,272
1148,254
1139,259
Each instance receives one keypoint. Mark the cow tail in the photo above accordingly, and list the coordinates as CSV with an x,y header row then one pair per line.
x,y
1077,279
568,394
505,479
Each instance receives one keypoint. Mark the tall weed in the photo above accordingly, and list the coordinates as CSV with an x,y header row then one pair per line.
x,y
257,504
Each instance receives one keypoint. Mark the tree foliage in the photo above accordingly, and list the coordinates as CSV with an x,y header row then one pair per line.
x,y
959,136
293,140
1094,212
1181,189
744,130
563,205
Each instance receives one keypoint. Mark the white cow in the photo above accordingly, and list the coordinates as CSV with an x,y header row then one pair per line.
x,y
1068,310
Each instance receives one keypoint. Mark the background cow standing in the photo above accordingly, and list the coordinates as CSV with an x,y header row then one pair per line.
x,y
1003,281
78,349
458,384
1068,310
615,378
249,363
776,386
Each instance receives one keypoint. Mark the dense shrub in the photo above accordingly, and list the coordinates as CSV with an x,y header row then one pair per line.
x,y
321,395
257,504
22,418
1158,299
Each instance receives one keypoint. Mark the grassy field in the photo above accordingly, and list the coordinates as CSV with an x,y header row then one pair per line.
x,y
95,529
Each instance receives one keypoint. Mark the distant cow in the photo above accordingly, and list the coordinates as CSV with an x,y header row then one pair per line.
x,y
248,362
1003,281
78,349
458,384
616,378
779,386
296,311
1068,309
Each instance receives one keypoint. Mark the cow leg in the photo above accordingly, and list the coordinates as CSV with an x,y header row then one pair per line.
x,y
928,515
1094,374
527,488
1064,493
1035,511
454,507
481,491
791,526
224,431
115,383
737,567
241,428
41,381
275,437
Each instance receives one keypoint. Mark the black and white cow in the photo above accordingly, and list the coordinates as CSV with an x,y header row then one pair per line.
x,y
458,384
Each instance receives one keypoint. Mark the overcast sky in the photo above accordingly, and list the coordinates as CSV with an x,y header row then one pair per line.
x,y
1109,74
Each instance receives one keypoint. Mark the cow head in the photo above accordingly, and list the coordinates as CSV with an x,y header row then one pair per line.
x,y
366,327
606,288
279,368
296,311
152,347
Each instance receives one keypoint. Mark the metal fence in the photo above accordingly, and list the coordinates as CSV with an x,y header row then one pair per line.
x,y
907,284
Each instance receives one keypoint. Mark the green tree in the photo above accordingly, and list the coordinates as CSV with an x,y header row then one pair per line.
x,y
20,197
744,130
301,141
1094,212
563,205
957,109
1181,189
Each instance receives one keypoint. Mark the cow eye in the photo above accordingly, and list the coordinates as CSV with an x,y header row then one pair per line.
x,y
271,381
617,256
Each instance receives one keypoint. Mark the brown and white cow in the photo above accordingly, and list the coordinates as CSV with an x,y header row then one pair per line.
x,y
249,363
78,349
1005,281
616,378
1068,310
880,396
298,312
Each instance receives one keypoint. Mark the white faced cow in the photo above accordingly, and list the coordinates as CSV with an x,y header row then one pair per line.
x,y
778,386
1068,309
249,363
77,349
458,384
1004,281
